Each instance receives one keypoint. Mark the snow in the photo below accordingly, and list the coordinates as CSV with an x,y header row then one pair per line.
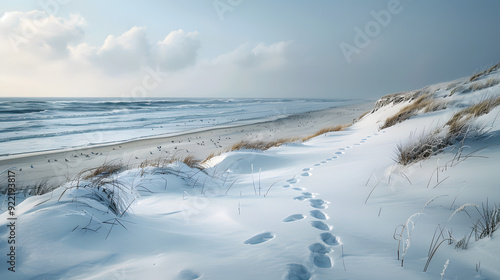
x,y
333,207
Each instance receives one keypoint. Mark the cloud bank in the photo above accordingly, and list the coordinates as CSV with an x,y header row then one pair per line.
x,y
48,56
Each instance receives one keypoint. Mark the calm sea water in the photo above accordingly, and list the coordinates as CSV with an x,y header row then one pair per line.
x,y
39,124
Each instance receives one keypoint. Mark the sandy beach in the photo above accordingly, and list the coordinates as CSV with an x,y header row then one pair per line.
x,y
58,166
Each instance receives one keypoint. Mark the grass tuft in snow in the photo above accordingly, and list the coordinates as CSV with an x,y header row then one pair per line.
x,y
421,148
460,121
41,188
485,72
104,188
488,222
424,102
436,242
104,170
262,145
326,130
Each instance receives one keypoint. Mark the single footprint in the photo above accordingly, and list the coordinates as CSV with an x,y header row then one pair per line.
x,y
292,218
321,260
323,162
319,248
341,149
298,189
320,225
329,239
318,203
188,274
300,198
308,194
260,238
339,153
306,174
293,180
348,147
297,272
307,169
318,214
287,186
317,164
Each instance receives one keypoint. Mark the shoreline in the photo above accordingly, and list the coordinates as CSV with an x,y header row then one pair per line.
x,y
58,166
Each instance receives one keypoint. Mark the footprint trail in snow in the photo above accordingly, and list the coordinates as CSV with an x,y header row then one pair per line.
x,y
319,251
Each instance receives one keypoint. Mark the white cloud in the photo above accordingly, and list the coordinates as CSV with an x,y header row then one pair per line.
x,y
41,34
131,51
50,57
178,50
260,56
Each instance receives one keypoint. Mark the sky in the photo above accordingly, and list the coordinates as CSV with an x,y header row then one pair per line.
x,y
241,48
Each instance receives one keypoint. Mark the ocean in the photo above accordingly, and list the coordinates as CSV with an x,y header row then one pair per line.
x,y
41,124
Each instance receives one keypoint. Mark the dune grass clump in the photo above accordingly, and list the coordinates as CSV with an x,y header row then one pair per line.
x,y
262,145
459,127
41,188
422,148
475,86
212,155
485,72
488,222
459,122
423,102
104,170
191,161
326,130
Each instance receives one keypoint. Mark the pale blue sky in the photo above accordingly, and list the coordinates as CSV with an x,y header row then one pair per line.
x,y
257,49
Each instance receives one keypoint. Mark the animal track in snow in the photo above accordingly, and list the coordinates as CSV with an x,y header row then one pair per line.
x,y
260,238
318,203
318,214
318,255
321,260
287,186
188,274
329,239
300,198
298,189
294,217
319,248
306,174
307,169
293,180
297,272
339,153
321,226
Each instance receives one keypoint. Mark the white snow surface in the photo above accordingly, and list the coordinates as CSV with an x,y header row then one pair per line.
x,y
332,207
